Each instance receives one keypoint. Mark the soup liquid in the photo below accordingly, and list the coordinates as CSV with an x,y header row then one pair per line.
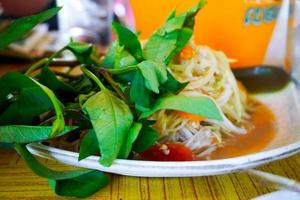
x,y
256,139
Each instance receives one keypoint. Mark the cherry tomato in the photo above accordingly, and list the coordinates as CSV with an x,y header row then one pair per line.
x,y
168,152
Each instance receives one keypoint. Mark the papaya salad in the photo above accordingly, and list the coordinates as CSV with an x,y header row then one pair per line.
x,y
208,74
163,99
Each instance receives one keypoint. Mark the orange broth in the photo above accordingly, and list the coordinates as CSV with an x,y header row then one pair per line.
x,y
256,139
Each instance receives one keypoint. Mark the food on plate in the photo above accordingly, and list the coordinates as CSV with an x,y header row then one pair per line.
x,y
208,74
165,99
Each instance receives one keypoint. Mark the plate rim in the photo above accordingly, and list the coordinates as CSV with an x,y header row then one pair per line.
x,y
179,169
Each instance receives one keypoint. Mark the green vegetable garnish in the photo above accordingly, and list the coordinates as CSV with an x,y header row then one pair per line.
x,y
21,26
89,145
74,183
111,119
27,134
198,105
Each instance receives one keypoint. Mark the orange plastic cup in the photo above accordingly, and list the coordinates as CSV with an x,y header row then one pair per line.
x,y
246,30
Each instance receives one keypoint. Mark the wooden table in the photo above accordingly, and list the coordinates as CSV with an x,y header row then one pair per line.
x,y
18,182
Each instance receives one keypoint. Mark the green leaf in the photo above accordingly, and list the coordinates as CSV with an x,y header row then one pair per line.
x,y
89,145
28,134
30,103
109,58
123,58
77,118
173,24
58,124
183,38
79,184
27,99
139,94
82,98
159,48
198,105
85,53
171,15
82,84
132,136
170,39
129,40
24,99
111,119
21,26
154,74
172,85
147,137
49,79
118,57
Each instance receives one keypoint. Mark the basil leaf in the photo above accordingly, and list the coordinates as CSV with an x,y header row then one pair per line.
x,y
89,145
77,118
58,124
129,40
79,184
82,84
25,99
117,57
170,39
147,137
111,119
21,26
139,94
109,58
154,74
198,105
85,53
172,85
28,98
63,90
159,48
123,58
171,15
30,102
28,134
82,98
125,51
49,79
132,136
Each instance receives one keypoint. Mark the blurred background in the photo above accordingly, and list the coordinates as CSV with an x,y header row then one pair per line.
x,y
253,32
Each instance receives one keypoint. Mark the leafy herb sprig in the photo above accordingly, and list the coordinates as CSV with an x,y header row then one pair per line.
x,y
110,101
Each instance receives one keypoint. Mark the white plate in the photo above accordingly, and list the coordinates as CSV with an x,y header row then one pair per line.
x,y
285,105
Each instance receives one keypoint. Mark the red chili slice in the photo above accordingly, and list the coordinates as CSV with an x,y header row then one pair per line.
x,y
168,152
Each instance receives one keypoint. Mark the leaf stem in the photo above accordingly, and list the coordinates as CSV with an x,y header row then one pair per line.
x,y
114,85
116,71
36,66
93,77
44,62
54,55
122,70
59,123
